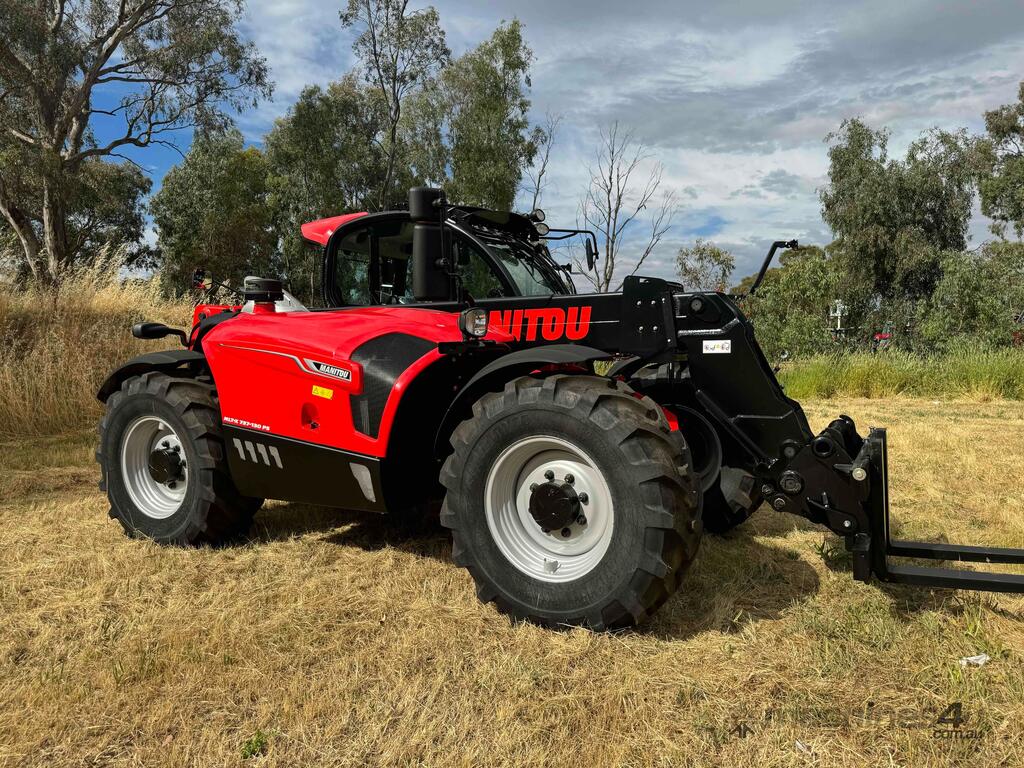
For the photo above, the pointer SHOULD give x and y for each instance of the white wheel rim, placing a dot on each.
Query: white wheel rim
(154, 499)
(549, 557)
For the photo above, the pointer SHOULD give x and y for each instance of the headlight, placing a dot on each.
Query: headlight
(542, 229)
(473, 322)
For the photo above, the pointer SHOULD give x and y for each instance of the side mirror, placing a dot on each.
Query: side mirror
(153, 331)
(591, 253)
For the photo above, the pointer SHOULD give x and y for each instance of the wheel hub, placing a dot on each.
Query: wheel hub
(165, 465)
(554, 505)
(549, 508)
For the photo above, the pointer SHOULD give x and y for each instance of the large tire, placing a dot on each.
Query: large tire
(730, 494)
(200, 504)
(722, 514)
(638, 472)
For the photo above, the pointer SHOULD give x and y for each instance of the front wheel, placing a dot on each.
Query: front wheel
(571, 502)
(163, 464)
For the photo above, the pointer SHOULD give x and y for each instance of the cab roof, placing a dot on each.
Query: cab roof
(320, 231)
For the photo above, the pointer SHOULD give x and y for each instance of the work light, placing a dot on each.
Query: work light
(473, 322)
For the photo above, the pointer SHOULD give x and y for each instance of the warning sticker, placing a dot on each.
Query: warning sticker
(323, 392)
(717, 346)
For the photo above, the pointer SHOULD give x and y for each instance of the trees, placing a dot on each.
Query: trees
(537, 173)
(790, 309)
(468, 128)
(893, 218)
(1001, 166)
(322, 160)
(614, 199)
(978, 298)
(166, 65)
(398, 52)
(705, 266)
(212, 212)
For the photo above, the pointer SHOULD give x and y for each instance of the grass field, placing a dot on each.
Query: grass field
(336, 639)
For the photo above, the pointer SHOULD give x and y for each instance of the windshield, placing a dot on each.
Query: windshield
(530, 266)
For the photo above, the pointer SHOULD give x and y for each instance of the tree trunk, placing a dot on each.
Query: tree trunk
(55, 241)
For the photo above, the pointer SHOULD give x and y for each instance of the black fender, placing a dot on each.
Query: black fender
(501, 370)
(168, 360)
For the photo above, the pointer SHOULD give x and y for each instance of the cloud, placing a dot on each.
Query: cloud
(734, 98)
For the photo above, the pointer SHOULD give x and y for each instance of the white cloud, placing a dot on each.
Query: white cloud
(735, 97)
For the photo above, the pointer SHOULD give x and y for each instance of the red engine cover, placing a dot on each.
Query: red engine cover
(292, 374)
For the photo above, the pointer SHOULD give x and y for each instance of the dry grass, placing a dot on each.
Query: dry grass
(335, 639)
(56, 348)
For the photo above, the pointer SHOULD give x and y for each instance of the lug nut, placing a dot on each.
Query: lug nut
(570, 479)
(582, 519)
(779, 503)
(533, 487)
(566, 533)
(766, 489)
(584, 498)
(548, 474)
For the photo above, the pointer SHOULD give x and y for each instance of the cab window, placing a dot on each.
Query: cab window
(478, 276)
(374, 265)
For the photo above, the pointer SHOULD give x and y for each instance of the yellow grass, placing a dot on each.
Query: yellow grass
(56, 348)
(336, 639)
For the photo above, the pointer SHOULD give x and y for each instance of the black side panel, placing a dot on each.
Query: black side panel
(154, 361)
(272, 467)
(383, 359)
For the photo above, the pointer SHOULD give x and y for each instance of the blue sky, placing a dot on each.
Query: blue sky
(733, 98)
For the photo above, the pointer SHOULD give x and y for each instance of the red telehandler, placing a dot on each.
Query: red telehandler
(580, 443)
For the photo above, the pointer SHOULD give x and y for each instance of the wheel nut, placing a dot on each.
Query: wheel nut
(582, 519)
(570, 479)
(549, 474)
(766, 489)
(566, 533)
(584, 498)
(779, 503)
(533, 487)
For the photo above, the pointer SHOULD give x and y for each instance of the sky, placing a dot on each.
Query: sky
(734, 99)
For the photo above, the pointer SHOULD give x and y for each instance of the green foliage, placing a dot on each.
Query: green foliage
(212, 212)
(893, 219)
(324, 157)
(705, 266)
(790, 309)
(481, 140)
(1001, 166)
(255, 745)
(963, 371)
(977, 300)
(398, 52)
(162, 65)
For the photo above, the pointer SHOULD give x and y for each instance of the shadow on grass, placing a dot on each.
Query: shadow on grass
(906, 599)
(737, 578)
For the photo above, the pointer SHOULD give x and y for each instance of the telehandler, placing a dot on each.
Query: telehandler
(579, 443)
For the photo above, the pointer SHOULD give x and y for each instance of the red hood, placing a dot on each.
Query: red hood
(320, 231)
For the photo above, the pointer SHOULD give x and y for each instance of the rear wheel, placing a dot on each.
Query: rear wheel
(571, 502)
(163, 463)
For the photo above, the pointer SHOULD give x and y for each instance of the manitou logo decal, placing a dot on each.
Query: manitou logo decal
(326, 369)
(551, 323)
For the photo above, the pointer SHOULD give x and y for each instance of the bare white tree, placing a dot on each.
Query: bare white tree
(617, 193)
(535, 174)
